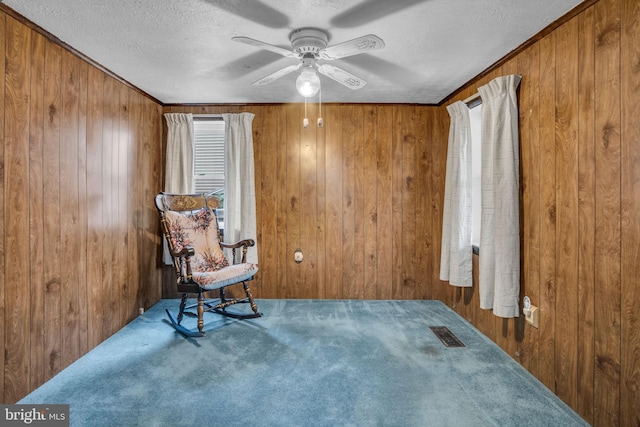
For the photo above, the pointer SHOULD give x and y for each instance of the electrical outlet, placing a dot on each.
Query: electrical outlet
(533, 317)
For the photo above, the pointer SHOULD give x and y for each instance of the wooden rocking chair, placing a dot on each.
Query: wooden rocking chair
(190, 227)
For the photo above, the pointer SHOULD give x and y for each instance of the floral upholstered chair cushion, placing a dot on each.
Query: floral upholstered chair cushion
(198, 230)
(210, 268)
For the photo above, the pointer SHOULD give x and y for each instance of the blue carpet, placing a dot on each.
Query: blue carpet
(305, 363)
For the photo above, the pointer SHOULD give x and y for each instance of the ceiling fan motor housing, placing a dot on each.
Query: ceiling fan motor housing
(308, 41)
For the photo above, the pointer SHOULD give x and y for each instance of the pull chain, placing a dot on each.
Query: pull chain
(305, 121)
(320, 121)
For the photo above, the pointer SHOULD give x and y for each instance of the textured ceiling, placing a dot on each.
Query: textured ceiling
(182, 52)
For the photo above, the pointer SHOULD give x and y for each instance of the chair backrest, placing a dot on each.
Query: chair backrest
(189, 222)
(185, 202)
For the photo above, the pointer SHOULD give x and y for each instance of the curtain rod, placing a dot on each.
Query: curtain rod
(207, 116)
(472, 98)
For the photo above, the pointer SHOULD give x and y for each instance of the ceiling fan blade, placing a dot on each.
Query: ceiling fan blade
(274, 76)
(341, 76)
(267, 46)
(352, 47)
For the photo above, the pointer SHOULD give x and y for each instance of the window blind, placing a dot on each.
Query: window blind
(208, 167)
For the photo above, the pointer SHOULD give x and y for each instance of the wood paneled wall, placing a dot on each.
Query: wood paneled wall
(81, 163)
(361, 196)
(580, 173)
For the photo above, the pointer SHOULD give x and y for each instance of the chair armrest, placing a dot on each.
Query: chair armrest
(244, 244)
(187, 251)
(182, 263)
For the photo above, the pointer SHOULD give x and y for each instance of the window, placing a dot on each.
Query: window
(476, 166)
(208, 168)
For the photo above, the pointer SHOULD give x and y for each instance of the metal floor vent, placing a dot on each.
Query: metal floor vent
(446, 336)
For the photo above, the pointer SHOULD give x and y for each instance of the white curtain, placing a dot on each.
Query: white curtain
(239, 186)
(180, 141)
(179, 167)
(499, 268)
(456, 252)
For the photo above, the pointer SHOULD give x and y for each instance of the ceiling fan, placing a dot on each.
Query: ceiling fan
(309, 45)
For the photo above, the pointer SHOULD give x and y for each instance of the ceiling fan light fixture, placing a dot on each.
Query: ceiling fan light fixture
(308, 82)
